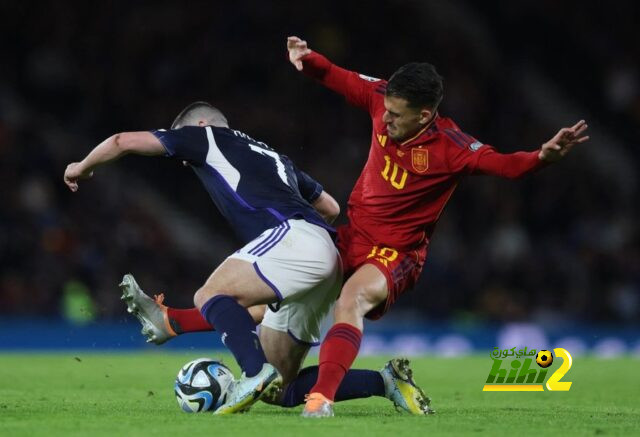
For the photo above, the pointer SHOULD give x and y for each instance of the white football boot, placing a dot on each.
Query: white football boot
(247, 391)
(151, 313)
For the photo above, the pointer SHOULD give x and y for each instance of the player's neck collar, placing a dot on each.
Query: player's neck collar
(421, 131)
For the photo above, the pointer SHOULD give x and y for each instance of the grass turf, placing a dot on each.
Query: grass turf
(109, 394)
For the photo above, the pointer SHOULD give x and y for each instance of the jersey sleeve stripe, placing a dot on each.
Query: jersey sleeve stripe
(381, 89)
(461, 136)
(459, 141)
(469, 139)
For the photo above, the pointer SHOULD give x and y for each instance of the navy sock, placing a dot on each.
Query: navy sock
(238, 332)
(356, 384)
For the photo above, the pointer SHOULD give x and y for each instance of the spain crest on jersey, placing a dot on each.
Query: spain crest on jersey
(420, 160)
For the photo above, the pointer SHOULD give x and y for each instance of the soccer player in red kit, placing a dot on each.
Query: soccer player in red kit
(416, 160)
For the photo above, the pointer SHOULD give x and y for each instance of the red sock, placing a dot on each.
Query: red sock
(339, 349)
(190, 320)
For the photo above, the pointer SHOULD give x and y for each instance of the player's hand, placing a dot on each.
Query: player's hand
(297, 50)
(563, 142)
(73, 174)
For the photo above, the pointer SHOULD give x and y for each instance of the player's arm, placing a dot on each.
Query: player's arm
(327, 207)
(357, 89)
(473, 157)
(314, 193)
(515, 165)
(507, 165)
(114, 147)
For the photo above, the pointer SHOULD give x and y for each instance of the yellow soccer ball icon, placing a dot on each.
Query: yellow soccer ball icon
(544, 358)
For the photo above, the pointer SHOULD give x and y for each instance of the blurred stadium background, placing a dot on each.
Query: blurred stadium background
(553, 259)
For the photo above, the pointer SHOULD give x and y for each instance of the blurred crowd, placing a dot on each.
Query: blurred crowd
(561, 245)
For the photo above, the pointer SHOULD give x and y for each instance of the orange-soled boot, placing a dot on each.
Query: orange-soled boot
(317, 405)
(151, 313)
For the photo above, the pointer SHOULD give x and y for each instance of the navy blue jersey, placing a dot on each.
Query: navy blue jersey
(253, 186)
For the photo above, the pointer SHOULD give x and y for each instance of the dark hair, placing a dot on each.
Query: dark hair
(196, 111)
(418, 83)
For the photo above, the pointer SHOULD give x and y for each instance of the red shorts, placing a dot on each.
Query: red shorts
(402, 269)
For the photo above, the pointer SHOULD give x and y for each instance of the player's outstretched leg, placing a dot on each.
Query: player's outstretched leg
(402, 390)
(161, 323)
(151, 313)
(394, 382)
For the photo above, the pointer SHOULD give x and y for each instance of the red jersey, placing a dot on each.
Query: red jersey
(404, 187)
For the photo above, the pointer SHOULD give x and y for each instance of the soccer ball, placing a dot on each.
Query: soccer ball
(202, 385)
(544, 358)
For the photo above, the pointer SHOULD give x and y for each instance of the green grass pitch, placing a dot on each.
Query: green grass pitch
(119, 394)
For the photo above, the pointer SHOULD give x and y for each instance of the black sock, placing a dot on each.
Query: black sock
(238, 331)
(356, 384)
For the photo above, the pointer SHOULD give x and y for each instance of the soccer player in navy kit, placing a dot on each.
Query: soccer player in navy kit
(289, 261)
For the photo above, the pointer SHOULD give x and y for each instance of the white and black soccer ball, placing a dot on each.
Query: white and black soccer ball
(202, 385)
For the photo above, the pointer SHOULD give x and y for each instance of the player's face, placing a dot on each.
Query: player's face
(403, 121)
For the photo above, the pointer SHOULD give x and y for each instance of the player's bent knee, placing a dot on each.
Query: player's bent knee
(346, 305)
(357, 301)
(204, 294)
(257, 312)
